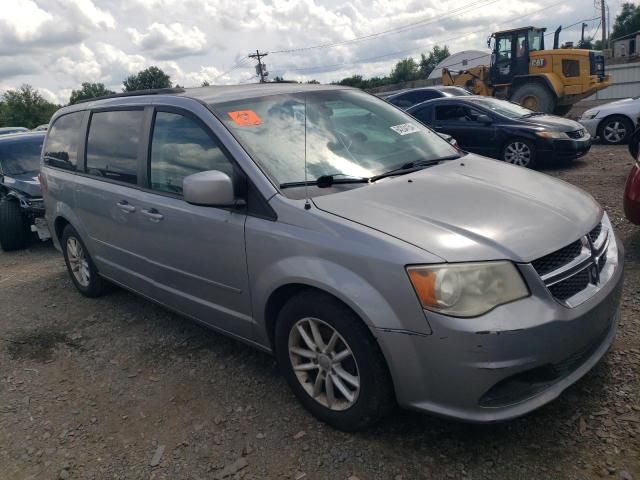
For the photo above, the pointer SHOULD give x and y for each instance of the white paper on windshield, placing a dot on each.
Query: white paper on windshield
(405, 128)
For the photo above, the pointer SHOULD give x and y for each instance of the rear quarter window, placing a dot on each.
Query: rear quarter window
(112, 145)
(61, 149)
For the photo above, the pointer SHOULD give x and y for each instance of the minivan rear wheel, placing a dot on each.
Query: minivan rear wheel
(332, 362)
(14, 228)
(82, 270)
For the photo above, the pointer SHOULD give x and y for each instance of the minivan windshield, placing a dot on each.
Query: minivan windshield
(21, 156)
(504, 108)
(342, 133)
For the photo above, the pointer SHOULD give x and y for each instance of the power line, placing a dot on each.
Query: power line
(411, 50)
(470, 6)
(239, 64)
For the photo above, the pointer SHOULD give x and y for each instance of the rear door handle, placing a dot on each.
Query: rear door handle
(126, 207)
(153, 214)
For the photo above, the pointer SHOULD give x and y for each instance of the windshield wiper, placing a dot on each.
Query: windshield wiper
(413, 167)
(532, 114)
(326, 181)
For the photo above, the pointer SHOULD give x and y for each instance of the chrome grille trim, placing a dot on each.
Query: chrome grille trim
(591, 260)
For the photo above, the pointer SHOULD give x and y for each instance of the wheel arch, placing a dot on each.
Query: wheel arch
(601, 122)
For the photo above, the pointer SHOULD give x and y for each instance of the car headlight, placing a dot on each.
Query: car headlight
(588, 115)
(467, 289)
(546, 134)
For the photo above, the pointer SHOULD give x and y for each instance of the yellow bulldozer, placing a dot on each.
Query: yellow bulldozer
(522, 71)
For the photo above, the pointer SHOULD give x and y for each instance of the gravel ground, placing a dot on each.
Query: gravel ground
(120, 388)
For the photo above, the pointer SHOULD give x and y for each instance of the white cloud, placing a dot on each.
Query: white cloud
(95, 16)
(170, 41)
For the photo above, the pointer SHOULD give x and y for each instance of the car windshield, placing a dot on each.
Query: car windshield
(345, 133)
(21, 156)
(504, 108)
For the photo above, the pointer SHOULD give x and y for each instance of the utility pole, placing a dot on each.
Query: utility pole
(584, 25)
(261, 69)
(603, 9)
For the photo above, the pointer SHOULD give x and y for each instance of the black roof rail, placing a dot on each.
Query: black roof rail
(137, 93)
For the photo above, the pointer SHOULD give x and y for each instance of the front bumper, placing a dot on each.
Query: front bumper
(564, 149)
(508, 362)
(591, 125)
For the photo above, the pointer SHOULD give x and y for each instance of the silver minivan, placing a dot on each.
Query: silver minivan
(378, 263)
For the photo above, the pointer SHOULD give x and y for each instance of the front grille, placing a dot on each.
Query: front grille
(571, 286)
(570, 270)
(557, 259)
(595, 233)
(576, 133)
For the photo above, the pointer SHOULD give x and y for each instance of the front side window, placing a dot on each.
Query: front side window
(112, 145)
(340, 132)
(181, 147)
(457, 113)
(22, 156)
(61, 150)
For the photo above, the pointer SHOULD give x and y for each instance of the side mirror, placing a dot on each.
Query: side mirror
(486, 119)
(634, 144)
(211, 188)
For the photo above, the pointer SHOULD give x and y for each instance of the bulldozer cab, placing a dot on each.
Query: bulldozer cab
(510, 52)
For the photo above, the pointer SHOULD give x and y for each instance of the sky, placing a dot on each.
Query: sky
(55, 45)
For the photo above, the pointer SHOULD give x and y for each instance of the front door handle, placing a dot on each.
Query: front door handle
(126, 207)
(153, 214)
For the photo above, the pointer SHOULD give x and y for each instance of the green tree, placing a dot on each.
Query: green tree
(89, 90)
(628, 21)
(405, 70)
(147, 79)
(429, 62)
(205, 84)
(25, 107)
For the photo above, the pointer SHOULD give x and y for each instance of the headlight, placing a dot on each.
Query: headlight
(546, 134)
(588, 115)
(467, 289)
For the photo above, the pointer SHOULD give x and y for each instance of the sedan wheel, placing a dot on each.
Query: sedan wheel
(324, 364)
(519, 153)
(615, 130)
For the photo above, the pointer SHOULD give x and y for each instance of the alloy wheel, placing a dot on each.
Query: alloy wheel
(614, 131)
(324, 364)
(518, 153)
(78, 262)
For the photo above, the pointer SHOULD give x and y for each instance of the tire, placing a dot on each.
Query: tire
(80, 266)
(562, 110)
(518, 151)
(14, 228)
(615, 130)
(363, 372)
(535, 97)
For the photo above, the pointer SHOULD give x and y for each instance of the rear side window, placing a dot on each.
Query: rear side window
(112, 145)
(424, 115)
(61, 150)
(181, 147)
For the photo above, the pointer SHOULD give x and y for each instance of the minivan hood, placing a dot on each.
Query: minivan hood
(554, 122)
(472, 209)
(26, 183)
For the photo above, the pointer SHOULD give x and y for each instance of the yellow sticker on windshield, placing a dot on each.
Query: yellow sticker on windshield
(245, 118)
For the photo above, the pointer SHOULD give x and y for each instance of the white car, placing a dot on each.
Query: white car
(612, 122)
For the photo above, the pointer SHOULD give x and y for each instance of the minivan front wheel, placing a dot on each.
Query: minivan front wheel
(331, 362)
(82, 270)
